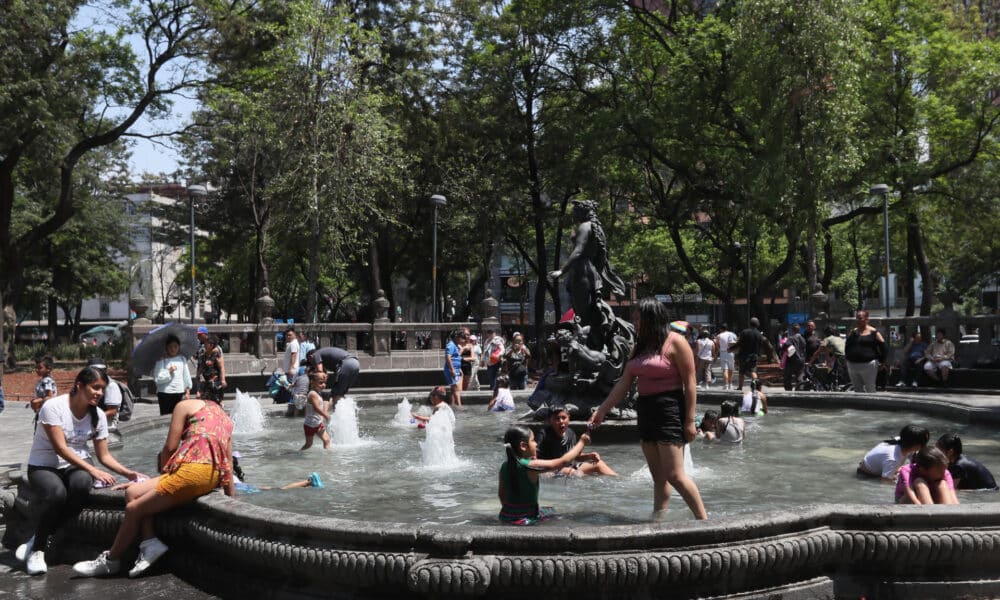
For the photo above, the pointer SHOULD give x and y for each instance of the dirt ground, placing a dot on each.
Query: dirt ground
(19, 386)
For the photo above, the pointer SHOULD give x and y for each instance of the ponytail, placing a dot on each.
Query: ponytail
(515, 435)
(94, 420)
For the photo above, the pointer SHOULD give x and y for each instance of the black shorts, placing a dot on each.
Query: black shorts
(748, 363)
(659, 417)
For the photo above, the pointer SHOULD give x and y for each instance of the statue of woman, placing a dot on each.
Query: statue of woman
(589, 277)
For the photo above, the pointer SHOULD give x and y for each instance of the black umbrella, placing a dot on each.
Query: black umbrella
(153, 346)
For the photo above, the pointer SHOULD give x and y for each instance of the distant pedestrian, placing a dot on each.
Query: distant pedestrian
(724, 341)
(453, 366)
(865, 351)
(172, 377)
(45, 388)
(492, 358)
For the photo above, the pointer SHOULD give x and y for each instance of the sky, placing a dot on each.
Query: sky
(147, 156)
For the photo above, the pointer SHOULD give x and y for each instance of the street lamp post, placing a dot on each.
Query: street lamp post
(883, 190)
(194, 191)
(738, 247)
(436, 200)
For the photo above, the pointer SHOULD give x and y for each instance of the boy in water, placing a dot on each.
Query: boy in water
(557, 439)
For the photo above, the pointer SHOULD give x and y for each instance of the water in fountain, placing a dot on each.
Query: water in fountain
(439, 448)
(383, 479)
(402, 418)
(247, 415)
(344, 423)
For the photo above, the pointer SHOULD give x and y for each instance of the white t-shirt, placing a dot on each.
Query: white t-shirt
(885, 459)
(112, 395)
(725, 339)
(291, 348)
(56, 412)
(504, 401)
(705, 348)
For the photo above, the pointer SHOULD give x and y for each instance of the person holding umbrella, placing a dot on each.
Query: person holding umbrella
(172, 377)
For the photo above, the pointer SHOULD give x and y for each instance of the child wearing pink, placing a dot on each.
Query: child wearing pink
(926, 480)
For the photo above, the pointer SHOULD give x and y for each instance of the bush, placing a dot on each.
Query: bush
(113, 354)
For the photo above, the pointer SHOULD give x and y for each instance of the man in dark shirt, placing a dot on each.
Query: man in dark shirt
(341, 368)
(812, 340)
(967, 473)
(751, 344)
(557, 439)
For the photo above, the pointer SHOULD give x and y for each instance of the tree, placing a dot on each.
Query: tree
(70, 92)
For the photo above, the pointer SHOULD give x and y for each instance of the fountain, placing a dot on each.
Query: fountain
(247, 414)
(765, 537)
(344, 423)
(403, 417)
(438, 450)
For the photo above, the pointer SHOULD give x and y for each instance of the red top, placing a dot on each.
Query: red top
(205, 441)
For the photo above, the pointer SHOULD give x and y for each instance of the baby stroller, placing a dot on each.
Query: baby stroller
(826, 378)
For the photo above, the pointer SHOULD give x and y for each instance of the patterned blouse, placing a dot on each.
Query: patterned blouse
(205, 441)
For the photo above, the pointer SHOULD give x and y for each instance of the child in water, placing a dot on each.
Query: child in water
(706, 428)
(518, 480)
(926, 480)
(245, 488)
(730, 427)
(313, 424)
(502, 398)
(438, 399)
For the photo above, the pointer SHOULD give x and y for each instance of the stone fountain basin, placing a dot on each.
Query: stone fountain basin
(817, 550)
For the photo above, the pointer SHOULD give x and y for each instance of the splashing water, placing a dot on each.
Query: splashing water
(247, 415)
(402, 417)
(344, 423)
(439, 448)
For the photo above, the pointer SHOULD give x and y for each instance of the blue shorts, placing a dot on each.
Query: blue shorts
(449, 380)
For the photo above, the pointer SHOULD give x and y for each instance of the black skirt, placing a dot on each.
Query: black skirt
(659, 417)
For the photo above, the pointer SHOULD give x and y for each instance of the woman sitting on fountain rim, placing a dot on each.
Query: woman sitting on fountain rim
(196, 458)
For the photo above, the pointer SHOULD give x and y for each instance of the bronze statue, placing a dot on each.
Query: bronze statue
(595, 344)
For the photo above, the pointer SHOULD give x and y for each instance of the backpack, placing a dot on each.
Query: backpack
(128, 400)
(496, 352)
(277, 387)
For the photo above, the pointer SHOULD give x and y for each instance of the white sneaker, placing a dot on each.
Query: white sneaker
(102, 565)
(24, 550)
(900, 384)
(914, 384)
(149, 552)
(36, 563)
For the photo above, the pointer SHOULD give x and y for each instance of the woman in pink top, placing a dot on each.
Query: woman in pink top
(663, 364)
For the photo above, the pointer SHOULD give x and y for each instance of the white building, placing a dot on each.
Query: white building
(154, 267)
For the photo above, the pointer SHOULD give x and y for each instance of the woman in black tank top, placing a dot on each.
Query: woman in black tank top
(865, 352)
